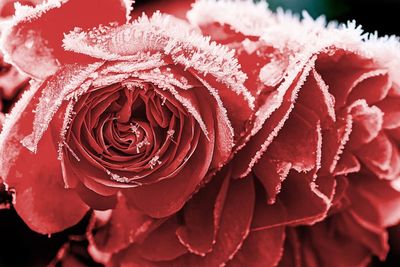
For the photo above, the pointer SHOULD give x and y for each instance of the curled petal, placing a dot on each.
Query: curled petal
(381, 156)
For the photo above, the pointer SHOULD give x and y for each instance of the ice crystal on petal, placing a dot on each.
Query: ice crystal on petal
(270, 106)
(154, 161)
(129, 4)
(386, 52)
(8, 150)
(69, 80)
(223, 113)
(172, 37)
(69, 113)
(343, 141)
(246, 16)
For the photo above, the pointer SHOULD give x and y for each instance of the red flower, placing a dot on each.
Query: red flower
(151, 125)
(147, 111)
(315, 184)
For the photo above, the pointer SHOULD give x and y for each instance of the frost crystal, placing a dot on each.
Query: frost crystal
(154, 161)
(172, 37)
(245, 16)
(69, 79)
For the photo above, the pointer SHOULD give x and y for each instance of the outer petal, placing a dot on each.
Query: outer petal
(37, 32)
(120, 232)
(162, 244)
(300, 202)
(234, 226)
(347, 251)
(261, 248)
(202, 216)
(41, 199)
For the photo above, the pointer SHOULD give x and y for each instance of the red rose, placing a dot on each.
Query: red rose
(145, 112)
(315, 184)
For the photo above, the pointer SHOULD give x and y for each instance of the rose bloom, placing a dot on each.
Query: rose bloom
(152, 126)
(316, 183)
(142, 114)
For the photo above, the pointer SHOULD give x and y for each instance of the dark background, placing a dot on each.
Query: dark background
(21, 247)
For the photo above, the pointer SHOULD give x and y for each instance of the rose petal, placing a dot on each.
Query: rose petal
(299, 202)
(119, 232)
(343, 71)
(381, 196)
(234, 226)
(178, 8)
(162, 244)
(347, 164)
(172, 193)
(254, 17)
(391, 110)
(292, 250)
(298, 141)
(37, 33)
(37, 178)
(271, 173)
(372, 89)
(381, 156)
(367, 123)
(261, 248)
(268, 124)
(177, 42)
(357, 229)
(347, 251)
(334, 140)
(315, 95)
(202, 216)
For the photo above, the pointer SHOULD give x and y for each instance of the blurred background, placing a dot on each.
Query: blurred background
(373, 15)
(39, 250)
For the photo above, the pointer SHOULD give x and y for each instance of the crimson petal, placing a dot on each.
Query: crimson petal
(202, 216)
(41, 195)
(37, 33)
(261, 248)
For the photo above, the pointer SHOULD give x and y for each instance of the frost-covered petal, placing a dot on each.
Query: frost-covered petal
(271, 173)
(381, 156)
(36, 33)
(246, 17)
(367, 123)
(36, 175)
(292, 207)
(390, 107)
(270, 119)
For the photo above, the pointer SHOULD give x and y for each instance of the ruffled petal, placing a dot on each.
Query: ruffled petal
(381, 156)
